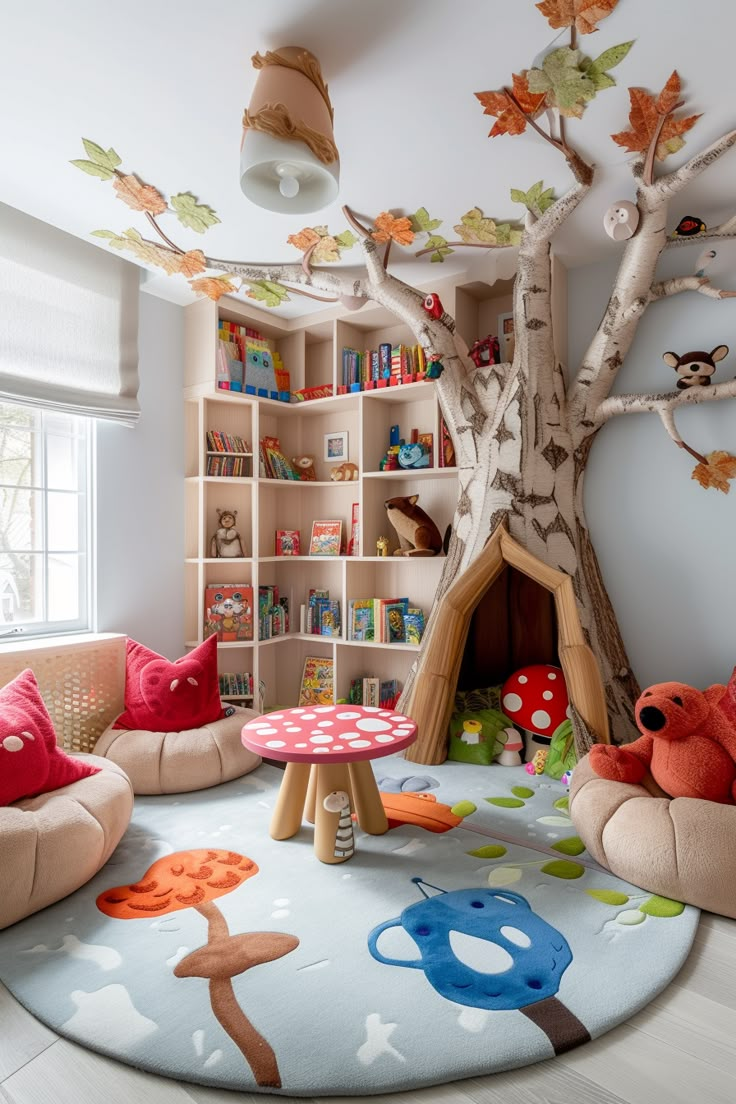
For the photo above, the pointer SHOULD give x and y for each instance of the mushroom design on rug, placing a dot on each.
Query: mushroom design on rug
(192, 879)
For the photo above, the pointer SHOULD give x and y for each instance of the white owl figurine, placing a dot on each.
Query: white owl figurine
(621, 220)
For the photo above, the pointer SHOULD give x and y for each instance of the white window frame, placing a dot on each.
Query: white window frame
(84, 493)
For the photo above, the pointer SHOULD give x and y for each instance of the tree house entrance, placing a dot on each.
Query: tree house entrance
(506, 610)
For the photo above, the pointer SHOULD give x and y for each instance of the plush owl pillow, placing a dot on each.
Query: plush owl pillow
(161, 696)
(31, 762)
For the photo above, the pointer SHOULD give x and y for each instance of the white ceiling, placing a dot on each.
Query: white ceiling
(165, 82)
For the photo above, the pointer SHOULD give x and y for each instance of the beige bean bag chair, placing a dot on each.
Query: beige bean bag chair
(683, 848)
(52, 844)
(176, 762)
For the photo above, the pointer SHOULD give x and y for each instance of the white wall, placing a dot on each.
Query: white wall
(665, 545)
(140, 495)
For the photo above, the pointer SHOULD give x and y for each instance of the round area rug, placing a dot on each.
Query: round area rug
(474, 936)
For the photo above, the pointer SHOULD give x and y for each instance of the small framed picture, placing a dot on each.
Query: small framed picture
(336, 447)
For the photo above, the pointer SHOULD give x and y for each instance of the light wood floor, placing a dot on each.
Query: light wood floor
(680, 1050)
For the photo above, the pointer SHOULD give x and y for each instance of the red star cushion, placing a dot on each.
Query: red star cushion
(31, 762)
(161, 696)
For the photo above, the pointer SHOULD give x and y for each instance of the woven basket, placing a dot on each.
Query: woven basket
(82, 682)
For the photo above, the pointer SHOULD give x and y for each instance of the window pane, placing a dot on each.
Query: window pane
(16, 455)
(21, 520)
(64, 588)
(62, 459)
(21, 588)
(63, 522)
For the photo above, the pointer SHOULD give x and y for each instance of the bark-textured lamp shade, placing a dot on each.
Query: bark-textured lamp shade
(289, 161)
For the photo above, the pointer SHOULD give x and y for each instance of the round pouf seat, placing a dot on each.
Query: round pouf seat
(682, 847)
(177, 762)
(52, 844)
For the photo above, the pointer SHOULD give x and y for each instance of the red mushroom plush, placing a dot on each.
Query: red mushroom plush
(535, 698)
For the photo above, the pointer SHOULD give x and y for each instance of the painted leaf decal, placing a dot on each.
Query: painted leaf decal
(93, 169)
(573, 845)
(510, 118)
(597, 70)
(662, 906)
(148, 252)
(522, 791)
(555, 821)
(563, 868)
(504, 876)
(490, 851)
(440, 246)
(389, 228)
(562, 803)
(583, 13)
(196, 216)
(506, 802)
(608, 896)
(326, 251)
(302, 241)
(267, 292)
(630, 917)
(530, 102)
(567, 87)
(670, 94)
(506, 234)
(421, 223)
(193, 262)
(536, 200)
(108, 159)
(346, 240)
(463, 808)
(720, 469)
(474, 229)
(214, 286)
(644, 118)
(138, 196)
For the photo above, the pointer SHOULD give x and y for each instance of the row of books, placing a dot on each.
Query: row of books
(374, 691)
(385, 621)
(273, 613)
(397, 362)
(320, 615)
(246, 363)
(238, 684)
(273, 463)
(219, 441)
(225, 464)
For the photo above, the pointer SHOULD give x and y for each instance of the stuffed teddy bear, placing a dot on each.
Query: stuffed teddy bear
(304, 467)
(348, 471)
(687, 743)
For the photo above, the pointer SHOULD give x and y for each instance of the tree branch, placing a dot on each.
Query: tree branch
(723, 232)
(665, 401)
(554, 216)
(674, 182)
(668, 421)
(701, 284)
(581, 170)
(648, 173)
(467, 245)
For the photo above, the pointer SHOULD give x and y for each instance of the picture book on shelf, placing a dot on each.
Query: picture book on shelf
(318, 681)
(414, 626)
(393, 623)
(361, 622)
(228, 611)
(288, 542)
(326, 538)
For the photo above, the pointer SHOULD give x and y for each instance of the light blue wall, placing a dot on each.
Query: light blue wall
(666, 546)
(140, 495)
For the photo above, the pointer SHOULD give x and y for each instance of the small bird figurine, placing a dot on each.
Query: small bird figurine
(433, 305)
(688, 227)
(704, 260)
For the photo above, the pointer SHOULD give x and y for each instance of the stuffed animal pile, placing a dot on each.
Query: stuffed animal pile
(688, 742)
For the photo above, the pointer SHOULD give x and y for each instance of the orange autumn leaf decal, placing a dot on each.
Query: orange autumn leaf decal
(389, 228)
(138, 196)
(193, 262)
(583, 13)
(646, 115)
(303, 239)
(509, 119)
(213, 286)
(719, 470)
(178, 881)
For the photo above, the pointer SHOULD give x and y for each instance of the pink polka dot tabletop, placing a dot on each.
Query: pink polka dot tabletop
(344, 733)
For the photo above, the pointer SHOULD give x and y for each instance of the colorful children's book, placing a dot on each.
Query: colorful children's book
(393, 623)
(228, 611)
(318, 681)
(354, 543)
(414, 626)
(362, 625)
(288, 542)
(371, 691)
(326, 538)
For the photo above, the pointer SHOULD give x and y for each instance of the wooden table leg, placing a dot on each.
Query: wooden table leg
(368, 807)
(329, 847)
(287, 814)
(311, 796)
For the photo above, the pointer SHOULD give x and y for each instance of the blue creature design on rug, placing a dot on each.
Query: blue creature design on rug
(525, 957)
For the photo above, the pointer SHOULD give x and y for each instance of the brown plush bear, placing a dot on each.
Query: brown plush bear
(304, 467)
(687, 743)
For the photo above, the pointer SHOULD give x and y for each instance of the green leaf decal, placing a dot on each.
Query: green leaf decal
(563, 868)
(630, 917)
(267, 292)
(107, 159)
(346, 240)
(608, 896)
(522, 791)
(556, 821)
(490, 851)
(573, 845)
(504, 876)
(562, 803)
(536, 200)
(196, 216)
(93, 169)
(104, 234)
(563, 78)
(597, 70)
(421, 223)
(439, 244)
(463, 808)
(506, 802)
(662, 906)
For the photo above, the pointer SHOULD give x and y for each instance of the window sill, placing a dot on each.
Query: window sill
(23, 643)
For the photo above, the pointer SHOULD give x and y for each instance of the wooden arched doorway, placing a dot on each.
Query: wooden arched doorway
(433, 692)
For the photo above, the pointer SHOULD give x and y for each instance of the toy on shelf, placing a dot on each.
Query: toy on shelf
(688, 743)
(382, 546)
(535, 697)
(414, 455)
(484, 351)
(418, 535)
(226, 542)
(344, 472)
(695, 369)
(538, 763)
(304, 467)
(621, 220)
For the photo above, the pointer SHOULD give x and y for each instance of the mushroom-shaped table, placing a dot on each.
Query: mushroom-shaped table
(535, 698)
(327, 750)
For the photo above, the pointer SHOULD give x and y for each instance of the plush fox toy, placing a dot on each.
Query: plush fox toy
(418, 535)
(688, 743)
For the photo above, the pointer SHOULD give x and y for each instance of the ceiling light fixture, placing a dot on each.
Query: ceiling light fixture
(288, 158)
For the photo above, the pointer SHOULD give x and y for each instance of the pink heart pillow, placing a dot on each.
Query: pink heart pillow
(161, 696)
(31, 762)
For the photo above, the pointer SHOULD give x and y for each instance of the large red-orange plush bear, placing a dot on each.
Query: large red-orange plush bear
(688, 743)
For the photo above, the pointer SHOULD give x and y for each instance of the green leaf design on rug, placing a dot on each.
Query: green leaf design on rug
(504, 876)
(662, 906)
(555, 821)
(506, 802)
(631, 917)
(562, 803)
(563, 868)
(573, 845)
(491, 851)
(522, 791)
(608, 896)
(463, 808)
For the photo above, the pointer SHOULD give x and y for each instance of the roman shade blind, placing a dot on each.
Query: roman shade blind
(68, 322)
